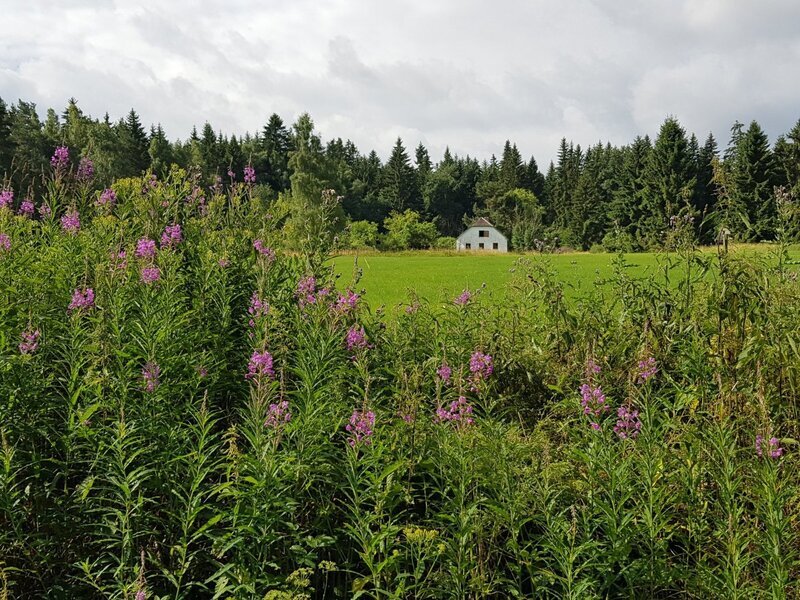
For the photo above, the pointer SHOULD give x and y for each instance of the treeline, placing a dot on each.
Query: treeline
(617, 197)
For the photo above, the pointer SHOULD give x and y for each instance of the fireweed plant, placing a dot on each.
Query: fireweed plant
(187, 410)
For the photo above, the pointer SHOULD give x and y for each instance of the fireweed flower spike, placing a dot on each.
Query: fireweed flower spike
(7, 199)
(459, 411)
(306, 289)
(150, 275)
(107, 198)
(773, 448)
(360, 428)
(5, 243)
(249, 174)
(346, 303)
(356, 338)
(150, 374)
(258, 308)
(628, 424)
(71, 222)
(646, 369)
(594, 404)
(279, 414)
(481, 366)
(172, 236)
(26, 209)
(60, 158)
(145, 248)
(81, 299)
(260, 365)
(263, 250)
(85, 172)
(30, 341)
(444, 372)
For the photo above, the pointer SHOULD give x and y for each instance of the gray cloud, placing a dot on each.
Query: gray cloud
(464, 74)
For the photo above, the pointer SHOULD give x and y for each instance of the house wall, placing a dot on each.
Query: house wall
(471, 237)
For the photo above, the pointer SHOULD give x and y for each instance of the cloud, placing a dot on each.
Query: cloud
(464, 74)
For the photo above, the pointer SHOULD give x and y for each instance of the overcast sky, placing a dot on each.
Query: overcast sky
(466, 73)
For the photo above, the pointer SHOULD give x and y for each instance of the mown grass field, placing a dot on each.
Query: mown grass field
(438, 277)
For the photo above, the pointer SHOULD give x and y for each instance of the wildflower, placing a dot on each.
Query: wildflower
(202, 372)
(44, 210)
(628, 423)
(260, 364)
(412, 308)
(172, 236)
(258, 308)
(5, 242)
(360, 427)
(593, 401)
(444, 372)
(263, 250)
(145, 248)
(481, 366)
(356, 338)
(120, 259)
(7, 198)
(223, 262)
(463, 299)
(26, 209)
(30, 341)
(278, 415)
(774, 450)
(60, 158)
(150, 374)
(306, 289)
(85, 172)
(459, 411)
(249, 174)
(81, 299)
(150, 275)
(592, 368)
(646, 369)
(108, 197)
(231, 174)
(140, 595)
(71, 221)
(346, 302)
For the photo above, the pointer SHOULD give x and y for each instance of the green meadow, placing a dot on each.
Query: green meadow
(391, 279)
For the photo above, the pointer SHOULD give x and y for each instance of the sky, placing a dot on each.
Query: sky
(466, 74)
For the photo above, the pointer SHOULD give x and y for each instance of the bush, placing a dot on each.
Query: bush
(361, 234)
(406, 231)
(445, 242)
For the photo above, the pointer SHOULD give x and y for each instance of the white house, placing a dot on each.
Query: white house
(482, 235)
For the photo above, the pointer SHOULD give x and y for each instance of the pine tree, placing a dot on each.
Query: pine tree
(133, 146)
(668, 181)
(753, 181)
(705, 197)
(398, 182)
(6, 147)
(160, 151)
(275, 147)
(512, 170)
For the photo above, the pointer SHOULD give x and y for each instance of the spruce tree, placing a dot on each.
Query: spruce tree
(399, 190)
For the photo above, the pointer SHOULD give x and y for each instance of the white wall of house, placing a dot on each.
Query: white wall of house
(482, 238)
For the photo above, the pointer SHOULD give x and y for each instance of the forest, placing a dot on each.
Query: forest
(616, 198)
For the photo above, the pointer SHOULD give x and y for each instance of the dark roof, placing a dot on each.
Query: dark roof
(481, 222)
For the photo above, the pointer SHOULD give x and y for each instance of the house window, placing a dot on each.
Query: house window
(483, 233)
(494, 246)
(468, 246)
(480, 245)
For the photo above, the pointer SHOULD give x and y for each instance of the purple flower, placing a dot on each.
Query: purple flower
(360, 428)
(223, 262)
(249, 174)
(459, 411)
(356, 338)
(306, 290)
(108, 197)
(150, 375)
(646, 369)
(278, 415)
(231, 174)
(774, 450)
(30, 341)
(258, 308)
(412, 308)
(26, 209)
(260, 364)
(444, 372)
(60, 158)
(346, 302)
(81, 298)
(7, 198)
(202, 372)
(172, 236)
(150, 275)
(592, 368)
(85, 172)
(481, 366)
(71, 221)
(120, 259)
(463, 299)
(44, 210)
(145, 248)
(265, 251)
(628, 423)
(5, 242)
(594, 404)
(140, 595)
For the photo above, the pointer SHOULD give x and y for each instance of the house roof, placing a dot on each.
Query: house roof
(481, 222)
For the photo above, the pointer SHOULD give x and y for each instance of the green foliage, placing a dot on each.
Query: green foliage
(405, 231)
(361, 234)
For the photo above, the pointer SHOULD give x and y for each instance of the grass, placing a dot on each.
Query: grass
(438, 277)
